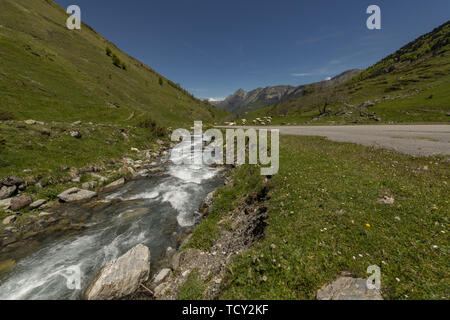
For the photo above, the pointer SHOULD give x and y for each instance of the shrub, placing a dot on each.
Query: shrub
(108, 52)
(310, 89)
(153, 126)
(6, 115)
(116, 61)
(160, 81)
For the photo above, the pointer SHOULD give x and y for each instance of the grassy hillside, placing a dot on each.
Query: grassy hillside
(90, 103)
(50, 73)
(411, 85)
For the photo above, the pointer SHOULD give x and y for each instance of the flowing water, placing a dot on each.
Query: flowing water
(154, 211)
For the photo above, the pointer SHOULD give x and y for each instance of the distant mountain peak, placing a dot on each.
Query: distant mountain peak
(242, 101)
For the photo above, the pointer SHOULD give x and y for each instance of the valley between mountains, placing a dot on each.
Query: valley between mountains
(87, 180)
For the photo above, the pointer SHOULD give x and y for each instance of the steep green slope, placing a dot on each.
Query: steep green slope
(48, 72)
(89, 105)
(411, 85)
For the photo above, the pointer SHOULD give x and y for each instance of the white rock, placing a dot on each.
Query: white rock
(6, 203)
(9, 220)
(121, 277)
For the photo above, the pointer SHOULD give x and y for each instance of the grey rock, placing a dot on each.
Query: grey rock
(7, 192)
(45, 214)
(89, 185)
(348, 288)
(156, 170)
(11, 181)
(21, 202)
(161, 276)
(121, 277)
(161, 289)
(75, 194)
(175, 263)
(207, 203)
(38, 203)
(9, 220)
(98, 177)
(114, 185)
(11, 229)
(386, 200)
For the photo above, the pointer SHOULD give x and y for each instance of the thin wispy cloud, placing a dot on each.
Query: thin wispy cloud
(319, 38)
(302, 74)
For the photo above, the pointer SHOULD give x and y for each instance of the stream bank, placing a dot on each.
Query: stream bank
(158, 212)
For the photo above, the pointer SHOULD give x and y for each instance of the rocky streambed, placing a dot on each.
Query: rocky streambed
(157, 212)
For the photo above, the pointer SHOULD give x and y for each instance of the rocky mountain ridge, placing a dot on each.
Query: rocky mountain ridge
(242, 101)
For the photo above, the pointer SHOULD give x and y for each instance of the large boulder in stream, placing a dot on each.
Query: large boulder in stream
(121, 277)
(75, 194)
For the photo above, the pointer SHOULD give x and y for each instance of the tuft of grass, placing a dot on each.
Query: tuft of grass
(193, 287)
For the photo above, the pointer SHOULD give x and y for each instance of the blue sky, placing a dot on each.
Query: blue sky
(212, 48)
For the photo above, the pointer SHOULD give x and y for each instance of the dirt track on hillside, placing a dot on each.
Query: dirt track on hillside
(416, 140)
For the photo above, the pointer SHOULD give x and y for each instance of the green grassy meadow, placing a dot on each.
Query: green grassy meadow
(324, 219)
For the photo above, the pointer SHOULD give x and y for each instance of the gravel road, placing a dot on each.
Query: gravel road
(416, 140)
